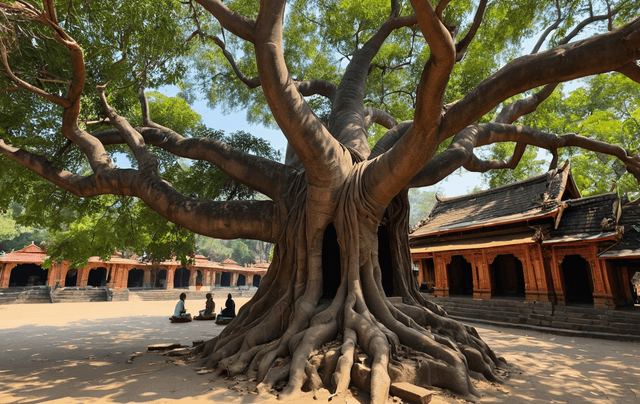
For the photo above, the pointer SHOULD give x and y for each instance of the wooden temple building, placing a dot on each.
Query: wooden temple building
(23, 268)
(535, 240)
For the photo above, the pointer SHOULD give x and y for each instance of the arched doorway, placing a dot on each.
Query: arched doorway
(256, 280)
(577, 282)
(97, 277)
(71, 279)
(181, 278)
(242, 280)
(225, 279)
(460, 276)
(28, 275)
(135, 278)
(507, 276)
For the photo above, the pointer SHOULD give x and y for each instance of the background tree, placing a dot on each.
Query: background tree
(338, 208)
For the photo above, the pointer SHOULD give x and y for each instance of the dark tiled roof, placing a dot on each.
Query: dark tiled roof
(629, 245)
(534, 197)
(585, 218)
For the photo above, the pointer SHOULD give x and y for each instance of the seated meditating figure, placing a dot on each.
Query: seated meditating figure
(229, 308)
(181, 311)
(209, 307)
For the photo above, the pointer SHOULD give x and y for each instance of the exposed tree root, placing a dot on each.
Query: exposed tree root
(285, 332)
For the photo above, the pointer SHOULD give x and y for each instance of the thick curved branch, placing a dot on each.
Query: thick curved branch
(62, 101)
(631, 70)
(420, 142)
(347, 121)
(307, 88)
(524, 106)
(312, 143)
(460, 152)
(389, 139)
(146, 160)
(383, 118)
(598, 54)
(233, 219)
(265, 176)
(461, 47)
(233, 22)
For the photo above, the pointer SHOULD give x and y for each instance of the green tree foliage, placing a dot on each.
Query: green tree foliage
(421, 201)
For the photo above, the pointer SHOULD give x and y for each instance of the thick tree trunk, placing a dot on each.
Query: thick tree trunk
(322, 317)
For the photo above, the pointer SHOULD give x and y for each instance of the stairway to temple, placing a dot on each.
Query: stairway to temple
(585, 321)
(79, 294)
(25, 294)
(163, 294)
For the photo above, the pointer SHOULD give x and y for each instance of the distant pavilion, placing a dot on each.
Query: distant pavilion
(24, 268)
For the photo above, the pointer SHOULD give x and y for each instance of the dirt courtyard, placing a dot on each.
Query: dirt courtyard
(85, 353)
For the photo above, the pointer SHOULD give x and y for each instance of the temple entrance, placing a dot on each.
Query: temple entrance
(199, 278)
(159, 278)
(28, 275)
(576, 280)
(242, 280)
(181, 278)
(460, 276)
(225, 279)
(135, 278)
(507, 276)
(71, 279)
(256, 280)
(98, 277)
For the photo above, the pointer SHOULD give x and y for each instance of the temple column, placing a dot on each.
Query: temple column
(146, 282)
(440, 261)
(5, 276)
(482, 278)
(170, 275)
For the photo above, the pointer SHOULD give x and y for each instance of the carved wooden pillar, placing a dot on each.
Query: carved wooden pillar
(556, 274)
(540, 260)
(440, 262)
(481, 281)
(602, 290)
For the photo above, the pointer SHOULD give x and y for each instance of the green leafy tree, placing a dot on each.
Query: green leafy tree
(429, 83)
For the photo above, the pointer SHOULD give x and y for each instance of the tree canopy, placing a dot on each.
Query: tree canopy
(374, 98)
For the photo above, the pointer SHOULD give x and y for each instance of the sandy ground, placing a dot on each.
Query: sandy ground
(86, 353)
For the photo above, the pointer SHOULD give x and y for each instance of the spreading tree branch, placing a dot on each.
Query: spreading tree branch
(460, 152)
(598, 54)
(312, 143)
(232, 219)
(461, 47)
(420, 142)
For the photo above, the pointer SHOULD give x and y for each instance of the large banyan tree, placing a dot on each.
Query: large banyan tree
(337, 210)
